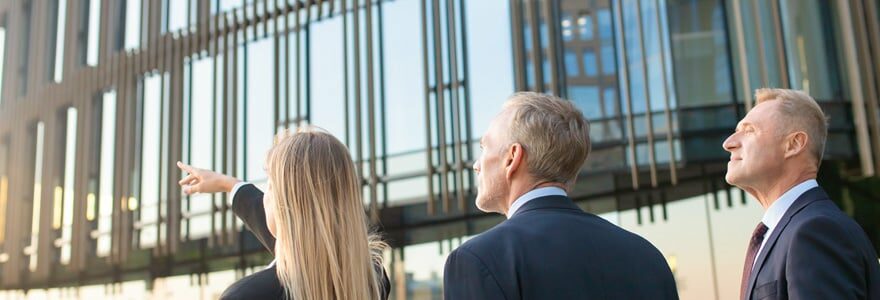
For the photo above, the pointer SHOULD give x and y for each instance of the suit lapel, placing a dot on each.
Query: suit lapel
(810, 196)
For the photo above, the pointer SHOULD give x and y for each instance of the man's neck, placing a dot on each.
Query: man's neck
(515, 193)
(767, 196)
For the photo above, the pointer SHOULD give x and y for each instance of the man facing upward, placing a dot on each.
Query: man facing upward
(804, 247)
(548, 248)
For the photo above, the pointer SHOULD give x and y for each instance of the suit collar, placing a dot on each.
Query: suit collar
(532, 195)
(547, 202)
(808, 197)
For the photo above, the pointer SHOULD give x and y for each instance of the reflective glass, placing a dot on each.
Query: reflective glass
(2, 60)
(490, 56)
(39, 141)
(201, 143)
(590, 63)
(813, 64)
(259, 130)
(176, 14)
(70, 166)
(148, 208)
(326, 78)
(107, 163)
(94, 30)
(132, 24)
(701, 52)
(585, 27)
(572, 68)
(4, 186)
(60, 20)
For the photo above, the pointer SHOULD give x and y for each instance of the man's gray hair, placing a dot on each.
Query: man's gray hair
(554, 133)
(799, 112)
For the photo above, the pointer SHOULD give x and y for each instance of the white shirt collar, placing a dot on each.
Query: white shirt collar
(533, 194)
(776, 210)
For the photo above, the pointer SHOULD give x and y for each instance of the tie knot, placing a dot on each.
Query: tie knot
(759, 232)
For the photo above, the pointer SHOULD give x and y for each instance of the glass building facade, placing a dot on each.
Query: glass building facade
(99, 99)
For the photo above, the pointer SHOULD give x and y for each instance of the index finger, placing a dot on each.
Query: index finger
(186, 168)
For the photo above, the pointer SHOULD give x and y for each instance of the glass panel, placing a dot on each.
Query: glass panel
(589, 63)
(490, 54)
(61, 21)
(568, 27)
(24, 45)
(405, 100)
(810, 48)
(132, 24)
(700, 42)
(2, 60)
(177, 13)
(572, 68)
(107, 162)
(38, 180)
(69, 192)
(228, 5)
(259, 130)
(153, 103)
(585, 27)
(759, 35)
(4, 186)
(200, 130)
(326, 80)
(710, 259)
(94, 30)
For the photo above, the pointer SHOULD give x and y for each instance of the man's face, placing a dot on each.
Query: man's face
(492, 185)
(757, 147)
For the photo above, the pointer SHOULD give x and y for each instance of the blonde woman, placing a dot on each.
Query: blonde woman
(311, 218)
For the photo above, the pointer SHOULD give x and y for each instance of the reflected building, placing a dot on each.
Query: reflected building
(99, 98)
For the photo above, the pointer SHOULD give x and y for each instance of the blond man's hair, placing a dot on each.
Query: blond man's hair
(553, 132)
(799, 112)
(324, 247)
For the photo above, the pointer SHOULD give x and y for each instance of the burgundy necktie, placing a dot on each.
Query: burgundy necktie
(754, 245)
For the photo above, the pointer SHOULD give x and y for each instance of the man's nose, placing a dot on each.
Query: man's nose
(730, 143)
(476, 166)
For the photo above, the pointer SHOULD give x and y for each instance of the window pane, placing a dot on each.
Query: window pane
(61, 20)
(150, 159)
(585, 27)
(37, 199)
(259, 129)
(69, 176)
(810, 48)
(587, 99)
(94, 31)
(177, 14)
(132, 24)
(700, 42)
(2, 60)
(4, 186)
(201, 143)
(326, 78)
(24, 43)
(572, 68)
(590, 63)
(105, 185)
(490, 56)
(405, 102)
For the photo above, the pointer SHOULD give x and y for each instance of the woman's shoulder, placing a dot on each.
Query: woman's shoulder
(263, 284)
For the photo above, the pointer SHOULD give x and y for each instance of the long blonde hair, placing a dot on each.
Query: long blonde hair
(324, 247)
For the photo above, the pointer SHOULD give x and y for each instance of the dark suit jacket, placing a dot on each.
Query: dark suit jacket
(248, 206)
(816, 252)
(551, 249)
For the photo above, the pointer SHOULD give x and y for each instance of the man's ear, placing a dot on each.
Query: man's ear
(513, 159)
(796, 143)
